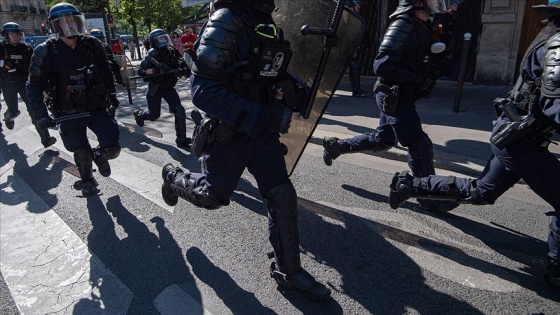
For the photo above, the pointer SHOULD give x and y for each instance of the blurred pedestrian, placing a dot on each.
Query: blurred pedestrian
(188, 39)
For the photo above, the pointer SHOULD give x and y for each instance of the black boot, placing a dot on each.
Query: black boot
(552, 274)
(169, 173)
(88, 188)
(401, 189)
(87, 184)
(183, 143)
(9, 119)
(302, 281)
(46, 139)
(331, 150)
(100, 159)
(138, 118)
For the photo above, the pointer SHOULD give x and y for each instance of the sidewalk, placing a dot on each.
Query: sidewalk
(461, 140)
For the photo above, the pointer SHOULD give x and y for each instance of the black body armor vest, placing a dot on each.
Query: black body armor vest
(267, 64)
(78, 84)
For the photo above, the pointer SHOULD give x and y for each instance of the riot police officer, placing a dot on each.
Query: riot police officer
(530, 114)
(404, 76)
(76, 74)
(115, 67)
(236, 82)
(161, 67)
(15, 56)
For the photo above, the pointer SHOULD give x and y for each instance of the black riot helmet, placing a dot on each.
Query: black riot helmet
(159, 38)
(11, 27)
(430, 6)
(550, 10)
(98, 33)
(66, 21)
(264, 6)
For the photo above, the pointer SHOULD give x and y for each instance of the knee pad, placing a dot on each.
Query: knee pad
(83, 154)
(421, 153)
(282, 199)
(376, 143)
(113, 152)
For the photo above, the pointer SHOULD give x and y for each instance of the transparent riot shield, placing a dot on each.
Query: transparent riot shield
(323, 35)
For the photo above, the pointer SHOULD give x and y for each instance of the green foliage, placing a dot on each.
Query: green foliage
(145, 15)
(93, 6)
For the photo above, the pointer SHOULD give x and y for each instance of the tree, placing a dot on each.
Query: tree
(93, 6)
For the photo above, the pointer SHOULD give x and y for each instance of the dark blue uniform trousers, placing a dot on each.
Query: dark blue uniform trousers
(171, 96)
(528, 159)
(74, 132)
(405, 127)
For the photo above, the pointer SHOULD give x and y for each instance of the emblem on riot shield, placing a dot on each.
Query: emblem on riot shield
(323, 36)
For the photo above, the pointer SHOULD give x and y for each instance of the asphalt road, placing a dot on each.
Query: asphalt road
(126, 252)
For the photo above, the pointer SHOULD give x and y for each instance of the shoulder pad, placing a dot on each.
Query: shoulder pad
(38, 58)
(550, 79)
(215, 50)
(42, 49)
(396, 34)
(91, 42)
(226, 19)
(27, 45)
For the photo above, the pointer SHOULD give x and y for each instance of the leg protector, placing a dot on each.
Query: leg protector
(88, 184)
(421, 157)
(331, 150)
(46, 138)
(552, 274)
(177, 183)
(283, 226)
(404, 186)
(101, 157)
(284, 237)
(182, 140)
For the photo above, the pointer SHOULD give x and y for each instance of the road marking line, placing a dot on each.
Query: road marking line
(45, 264)
(137, 174)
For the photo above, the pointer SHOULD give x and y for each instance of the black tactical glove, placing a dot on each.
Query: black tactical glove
(278, 118)
(114, 104)
(45, 122)
(184, 72)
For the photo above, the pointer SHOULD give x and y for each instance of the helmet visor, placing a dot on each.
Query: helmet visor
(68, 24)
(163, 40)
(15, 37)
(436, 6)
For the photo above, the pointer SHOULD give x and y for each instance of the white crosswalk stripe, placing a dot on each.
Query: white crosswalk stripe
(47, 267)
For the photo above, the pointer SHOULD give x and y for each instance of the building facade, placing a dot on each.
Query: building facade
(501, 29)
(29, 14)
